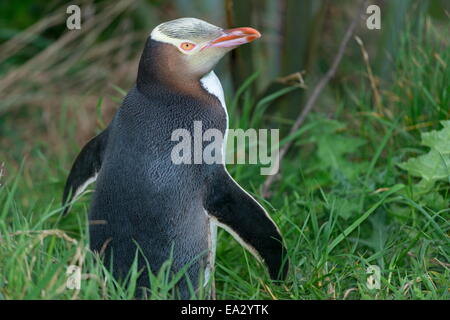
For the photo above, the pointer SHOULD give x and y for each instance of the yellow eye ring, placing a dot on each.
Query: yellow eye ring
(187, 46)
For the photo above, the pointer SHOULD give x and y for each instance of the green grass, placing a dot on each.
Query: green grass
(342, 202)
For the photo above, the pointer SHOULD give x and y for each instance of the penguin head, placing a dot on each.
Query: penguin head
(193, 47)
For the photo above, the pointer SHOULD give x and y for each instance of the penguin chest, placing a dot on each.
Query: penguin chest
(212, 85)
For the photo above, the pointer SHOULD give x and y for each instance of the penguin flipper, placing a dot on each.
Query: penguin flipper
(245, 219)
(85, 168)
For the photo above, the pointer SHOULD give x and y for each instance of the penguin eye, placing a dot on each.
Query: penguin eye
(187, 46)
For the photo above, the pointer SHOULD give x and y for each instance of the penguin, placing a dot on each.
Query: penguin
(146, 206)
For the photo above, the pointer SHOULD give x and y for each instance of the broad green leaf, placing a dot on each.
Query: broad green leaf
(435, 165)
(438, 140)
(334, 148)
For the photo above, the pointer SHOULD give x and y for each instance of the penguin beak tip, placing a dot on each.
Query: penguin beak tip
(235, 37)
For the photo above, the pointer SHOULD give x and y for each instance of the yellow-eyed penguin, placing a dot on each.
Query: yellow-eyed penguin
(143, 201)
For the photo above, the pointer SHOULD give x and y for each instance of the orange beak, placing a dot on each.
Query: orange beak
(234, 38)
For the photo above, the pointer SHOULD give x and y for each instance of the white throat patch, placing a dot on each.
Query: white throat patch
(212, 84)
